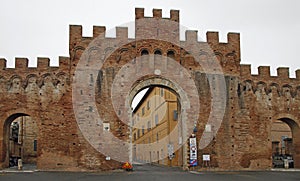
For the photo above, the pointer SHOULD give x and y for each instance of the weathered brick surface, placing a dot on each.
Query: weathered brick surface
(251, 102)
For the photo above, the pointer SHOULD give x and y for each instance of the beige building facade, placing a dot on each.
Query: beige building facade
(23, 141)
(281, 137)
(153, 119)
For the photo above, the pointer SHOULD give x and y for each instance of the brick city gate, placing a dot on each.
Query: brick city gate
(238, 106)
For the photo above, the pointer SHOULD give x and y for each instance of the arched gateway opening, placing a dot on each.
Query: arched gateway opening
(155, 114)
(174, 109)
(20, 137)
(285, 137)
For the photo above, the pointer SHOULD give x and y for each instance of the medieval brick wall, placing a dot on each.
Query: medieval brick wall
(244, 104)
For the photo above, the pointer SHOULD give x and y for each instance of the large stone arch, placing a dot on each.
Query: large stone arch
(157, 75)
(157, 71)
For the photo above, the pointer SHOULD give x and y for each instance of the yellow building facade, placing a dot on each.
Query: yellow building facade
(23, 141)
(280, 131)
(153, 121)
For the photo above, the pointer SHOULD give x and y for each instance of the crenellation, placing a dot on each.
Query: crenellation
(139, 13)
(21, 63)
(64, 62)
(283, 72)
(75, 35)
(212, 37)
(174, 15)
(233, 38)
(151, 28)
(99, 30)
(2, 63)
(245, 70)
(157, 13)
(121, 32)
(191, 35)
(43, 63)
(298, 74)
(264, 71)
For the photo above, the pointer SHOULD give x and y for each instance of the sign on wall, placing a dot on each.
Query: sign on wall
(193, 152)
(206, 157)
(170, 151)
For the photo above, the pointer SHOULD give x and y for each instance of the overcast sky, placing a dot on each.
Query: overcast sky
(269, 28)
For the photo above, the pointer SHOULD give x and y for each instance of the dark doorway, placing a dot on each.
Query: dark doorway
(21, 140)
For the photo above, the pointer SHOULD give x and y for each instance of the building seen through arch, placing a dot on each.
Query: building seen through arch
(282, 144)
(153, 119)
(22, 145)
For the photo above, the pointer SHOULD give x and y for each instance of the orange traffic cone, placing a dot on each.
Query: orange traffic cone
(127, 166)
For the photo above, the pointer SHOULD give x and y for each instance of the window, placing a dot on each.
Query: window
(144, 52)
(138, 133)
(156, 120)
(149, 125)
(148, 105)
(35, 145)
(161, 92)
(175, 115)
(171, 54)
(157, 138)
(143, 130)
(282, 141)
(157, 52)
(157, 55)
(134, 136)
(138, 117)
(143, 111)
(15, 131)
(144, 55)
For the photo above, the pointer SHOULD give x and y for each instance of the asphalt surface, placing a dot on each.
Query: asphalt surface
(151, 173)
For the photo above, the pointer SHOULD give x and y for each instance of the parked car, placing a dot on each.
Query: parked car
(13, 161)
(278, 161)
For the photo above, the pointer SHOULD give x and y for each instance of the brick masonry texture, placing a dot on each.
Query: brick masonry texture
(251, 102)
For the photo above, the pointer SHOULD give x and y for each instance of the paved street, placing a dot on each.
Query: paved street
(152, 173)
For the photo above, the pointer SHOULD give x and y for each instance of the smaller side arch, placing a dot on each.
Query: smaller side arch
(294, 124)
(291, 120)
(6, 121)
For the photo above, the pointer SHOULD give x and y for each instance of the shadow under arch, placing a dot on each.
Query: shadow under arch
(5, 137)
(294, 125)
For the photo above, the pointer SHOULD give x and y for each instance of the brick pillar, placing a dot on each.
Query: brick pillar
(296, 150)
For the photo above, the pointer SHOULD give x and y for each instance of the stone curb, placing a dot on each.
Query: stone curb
(286, 170)
(18, 171)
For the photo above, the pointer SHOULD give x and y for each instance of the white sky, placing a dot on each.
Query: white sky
(137, 98)
(269, 28)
